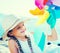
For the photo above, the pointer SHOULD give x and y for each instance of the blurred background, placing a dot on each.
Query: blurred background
(20, 8)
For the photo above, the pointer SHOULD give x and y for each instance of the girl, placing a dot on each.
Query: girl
(21, 41)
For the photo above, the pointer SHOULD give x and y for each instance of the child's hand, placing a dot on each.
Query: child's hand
(32, 32)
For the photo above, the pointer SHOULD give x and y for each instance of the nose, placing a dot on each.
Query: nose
(23, 28)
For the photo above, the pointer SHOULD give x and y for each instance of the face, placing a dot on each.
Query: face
(19, 30)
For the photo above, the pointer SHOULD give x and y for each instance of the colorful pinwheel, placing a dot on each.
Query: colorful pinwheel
(48, 14)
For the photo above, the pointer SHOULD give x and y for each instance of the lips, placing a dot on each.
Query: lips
(23, 31)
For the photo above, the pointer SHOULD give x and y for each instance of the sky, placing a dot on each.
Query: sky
(17, 7)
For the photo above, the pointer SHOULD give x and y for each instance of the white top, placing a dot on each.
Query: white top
(26, 48)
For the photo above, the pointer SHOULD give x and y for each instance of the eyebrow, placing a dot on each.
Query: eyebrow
(20, 25)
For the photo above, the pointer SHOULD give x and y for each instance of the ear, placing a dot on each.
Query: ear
(11, 33)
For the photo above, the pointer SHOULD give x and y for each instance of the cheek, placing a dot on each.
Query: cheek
(15, 33)
(18, 33)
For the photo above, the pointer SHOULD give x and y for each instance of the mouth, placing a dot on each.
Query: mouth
(23, 31)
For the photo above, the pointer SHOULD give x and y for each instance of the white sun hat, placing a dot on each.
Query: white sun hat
(10, 21)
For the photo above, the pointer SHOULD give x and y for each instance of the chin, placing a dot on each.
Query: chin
(23, 34)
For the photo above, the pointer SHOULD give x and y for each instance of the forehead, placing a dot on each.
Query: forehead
(20, 24)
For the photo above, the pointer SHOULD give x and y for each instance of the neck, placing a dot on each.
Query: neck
(23, 38)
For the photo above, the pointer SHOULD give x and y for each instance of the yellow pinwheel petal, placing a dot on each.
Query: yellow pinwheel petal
(37, 11)
(43, 18)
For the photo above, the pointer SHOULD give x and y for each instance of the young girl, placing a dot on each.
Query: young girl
(21, 41)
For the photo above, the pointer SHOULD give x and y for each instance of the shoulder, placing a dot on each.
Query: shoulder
(12, 46)
(11, 42)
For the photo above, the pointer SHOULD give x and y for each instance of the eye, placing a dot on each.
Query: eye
(23, 24)
(18, 27)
